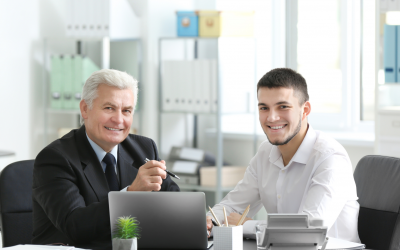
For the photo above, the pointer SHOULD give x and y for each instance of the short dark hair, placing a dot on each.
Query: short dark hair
(285, 78)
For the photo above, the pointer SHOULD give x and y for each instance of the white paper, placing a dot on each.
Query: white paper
(334, 243)
(187, 167)
(42, 247)
(192, 154)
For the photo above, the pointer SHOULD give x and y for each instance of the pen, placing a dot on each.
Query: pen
(170, 173)
(243, 216)
(215, 217)
(226, 218)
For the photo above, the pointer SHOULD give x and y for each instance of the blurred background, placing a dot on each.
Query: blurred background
(198, 63)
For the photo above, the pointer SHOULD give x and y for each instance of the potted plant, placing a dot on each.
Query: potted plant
(126, 233)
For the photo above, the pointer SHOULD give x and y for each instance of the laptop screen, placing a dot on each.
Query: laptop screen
(167, 219)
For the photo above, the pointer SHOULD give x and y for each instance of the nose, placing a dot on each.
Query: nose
(273, 116)
(118, 117)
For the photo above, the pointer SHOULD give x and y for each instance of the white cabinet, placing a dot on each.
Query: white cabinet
(388, 137)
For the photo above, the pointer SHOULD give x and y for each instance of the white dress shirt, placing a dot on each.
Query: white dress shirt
(318, 181)
(100, 153)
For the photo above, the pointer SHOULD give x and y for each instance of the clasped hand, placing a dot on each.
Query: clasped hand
(149, 177)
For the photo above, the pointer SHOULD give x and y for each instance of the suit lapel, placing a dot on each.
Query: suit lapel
(91, 166)
(126, 164)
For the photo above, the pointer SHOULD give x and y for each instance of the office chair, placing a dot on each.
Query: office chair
(378, 188)
(16, 203)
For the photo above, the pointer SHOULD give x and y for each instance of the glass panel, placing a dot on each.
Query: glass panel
(368, 61)
(318, 53)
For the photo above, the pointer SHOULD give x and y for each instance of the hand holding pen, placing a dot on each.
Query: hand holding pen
(166, 170)
(149, 177)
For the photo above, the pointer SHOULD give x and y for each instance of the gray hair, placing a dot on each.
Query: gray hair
(110, 77)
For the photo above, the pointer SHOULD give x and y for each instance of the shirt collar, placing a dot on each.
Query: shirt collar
(303, 152)
(100, 152)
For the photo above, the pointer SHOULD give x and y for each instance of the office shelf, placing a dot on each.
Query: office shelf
(193, 48)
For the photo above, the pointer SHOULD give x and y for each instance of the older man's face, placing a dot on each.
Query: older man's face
(109, 121)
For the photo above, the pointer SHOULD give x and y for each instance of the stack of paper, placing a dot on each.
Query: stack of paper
(42, 247)
(334, 243)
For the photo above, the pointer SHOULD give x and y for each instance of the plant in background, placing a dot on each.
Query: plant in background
(127, 228)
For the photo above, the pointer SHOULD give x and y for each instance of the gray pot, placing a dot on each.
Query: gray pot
(122, 244)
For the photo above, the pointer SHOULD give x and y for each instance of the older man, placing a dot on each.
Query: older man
(73, 175)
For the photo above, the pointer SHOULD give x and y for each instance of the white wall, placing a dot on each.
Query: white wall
(19, 36)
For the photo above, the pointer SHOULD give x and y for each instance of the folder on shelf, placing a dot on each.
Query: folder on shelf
(67, 84)
(187, 86)
(69, 23)
(390, 53)
(167, 86)
(55, 82)
(214, 85)
(77, 81)
(206, 85)
(397, 55)
(197, 84)
(105, 17)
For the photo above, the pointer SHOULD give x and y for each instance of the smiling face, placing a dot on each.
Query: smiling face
(109, 120)
(281, 116)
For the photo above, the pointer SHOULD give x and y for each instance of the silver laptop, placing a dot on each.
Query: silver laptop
(167, 219)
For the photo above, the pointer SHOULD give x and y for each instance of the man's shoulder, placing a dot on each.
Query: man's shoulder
(135, 137)
(327, 145)
(64, 145)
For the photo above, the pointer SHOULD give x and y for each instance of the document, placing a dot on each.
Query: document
(42, 247)
(334, 243)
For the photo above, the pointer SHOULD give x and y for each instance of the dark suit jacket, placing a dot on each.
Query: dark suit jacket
(70, 190)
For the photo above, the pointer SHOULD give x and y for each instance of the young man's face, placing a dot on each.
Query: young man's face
(109, 121)
(280, 114)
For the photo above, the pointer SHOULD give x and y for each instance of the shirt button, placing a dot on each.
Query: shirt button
(279, 196)
(283, 171)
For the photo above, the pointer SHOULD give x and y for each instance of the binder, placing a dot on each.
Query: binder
(397, 54)
(55, 79)
(77, 81)
(390, 53)
(189, 90)
(206, 86)
(167, 86)
(66, 81)
(69, 19)
(186, 84)
(214, 85)
(197, 96)
(105, 18)
(76, 11)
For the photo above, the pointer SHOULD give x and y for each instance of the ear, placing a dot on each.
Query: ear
(306, 110)
(84, 109)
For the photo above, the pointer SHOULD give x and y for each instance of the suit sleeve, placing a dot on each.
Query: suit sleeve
(55, 188)
(168, 184)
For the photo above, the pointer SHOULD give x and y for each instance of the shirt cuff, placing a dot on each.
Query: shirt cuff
(249, 229)
(124, 190)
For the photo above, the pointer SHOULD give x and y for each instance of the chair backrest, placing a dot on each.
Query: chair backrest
(16, 203)
(378, 188)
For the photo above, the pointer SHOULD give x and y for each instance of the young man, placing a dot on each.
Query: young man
(73, 175)
(298, 170)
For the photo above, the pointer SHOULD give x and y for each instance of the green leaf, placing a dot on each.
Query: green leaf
(127, 227)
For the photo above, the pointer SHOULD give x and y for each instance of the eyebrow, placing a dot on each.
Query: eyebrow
(278, 103)
(114, 106)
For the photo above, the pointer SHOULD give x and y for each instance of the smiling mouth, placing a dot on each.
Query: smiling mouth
(113, 129)
(277, 127)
